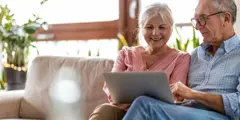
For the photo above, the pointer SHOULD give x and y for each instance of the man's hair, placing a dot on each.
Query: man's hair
(227, 6)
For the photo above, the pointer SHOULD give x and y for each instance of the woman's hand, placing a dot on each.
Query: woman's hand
(121, 106)
(181, 92)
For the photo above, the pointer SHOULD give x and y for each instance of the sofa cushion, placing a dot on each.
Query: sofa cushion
(44, 72)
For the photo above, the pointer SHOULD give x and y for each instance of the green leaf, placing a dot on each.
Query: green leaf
(36, 49)
(179, 44)
(43, 2)
(186, 45)
(89, 53)
(122, 39)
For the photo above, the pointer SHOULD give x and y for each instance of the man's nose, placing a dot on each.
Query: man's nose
(198, 26)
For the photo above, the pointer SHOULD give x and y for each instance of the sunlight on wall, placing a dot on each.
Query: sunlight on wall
(237, 24)
(107, 48)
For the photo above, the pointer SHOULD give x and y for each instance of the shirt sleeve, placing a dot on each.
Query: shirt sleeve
(231, 103)
(181, 68)
(119, 66)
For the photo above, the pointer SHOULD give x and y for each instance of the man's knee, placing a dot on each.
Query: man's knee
(147, 101)
(107, 112)
(143, 99)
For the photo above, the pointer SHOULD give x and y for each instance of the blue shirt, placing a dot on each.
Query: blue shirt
(218, 74)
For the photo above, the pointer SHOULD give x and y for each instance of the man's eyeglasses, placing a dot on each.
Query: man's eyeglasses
(201, 20)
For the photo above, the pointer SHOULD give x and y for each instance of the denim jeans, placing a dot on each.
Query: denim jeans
(146, 108)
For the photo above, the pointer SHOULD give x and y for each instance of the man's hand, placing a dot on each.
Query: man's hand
(181, 92)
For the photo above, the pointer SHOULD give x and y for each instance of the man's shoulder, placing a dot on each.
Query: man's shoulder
(195, 51)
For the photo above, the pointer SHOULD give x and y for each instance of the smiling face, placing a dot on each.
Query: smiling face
(213, 31)
(156, 32)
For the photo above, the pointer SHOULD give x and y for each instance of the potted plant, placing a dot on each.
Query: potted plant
(183, 46)
(16, 41)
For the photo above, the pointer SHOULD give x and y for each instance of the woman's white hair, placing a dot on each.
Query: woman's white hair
(153, 10)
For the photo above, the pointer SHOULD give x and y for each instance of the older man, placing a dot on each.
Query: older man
(214, 77)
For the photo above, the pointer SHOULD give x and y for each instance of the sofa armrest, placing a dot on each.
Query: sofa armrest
(10, 103)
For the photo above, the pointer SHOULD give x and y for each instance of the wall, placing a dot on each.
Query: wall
(237, 24)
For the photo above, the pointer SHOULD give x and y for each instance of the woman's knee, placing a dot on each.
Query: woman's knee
(107, 112)
(106, 107)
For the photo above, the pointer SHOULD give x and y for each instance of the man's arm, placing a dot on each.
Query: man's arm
(213, 101)
(228, 104)
(210, 100)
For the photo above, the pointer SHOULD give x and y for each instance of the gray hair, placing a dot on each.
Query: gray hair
(153, 10)
(225, 5)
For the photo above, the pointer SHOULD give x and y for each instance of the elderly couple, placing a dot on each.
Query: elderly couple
(207, 81)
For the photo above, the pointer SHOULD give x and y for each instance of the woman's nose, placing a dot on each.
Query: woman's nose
(156, 31)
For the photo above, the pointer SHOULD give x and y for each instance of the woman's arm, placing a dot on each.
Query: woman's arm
(180, 71)
(119, 66)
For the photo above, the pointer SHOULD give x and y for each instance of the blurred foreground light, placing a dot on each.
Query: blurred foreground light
(66, 91)
(65, 94)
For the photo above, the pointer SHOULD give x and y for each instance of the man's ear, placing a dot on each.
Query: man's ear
(227, 18)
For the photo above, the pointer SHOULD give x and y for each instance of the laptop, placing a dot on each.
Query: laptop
(124, 87)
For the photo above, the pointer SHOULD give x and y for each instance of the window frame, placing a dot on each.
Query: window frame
(95, 30)
(125, 25)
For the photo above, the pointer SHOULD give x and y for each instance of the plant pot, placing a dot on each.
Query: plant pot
(15, 79)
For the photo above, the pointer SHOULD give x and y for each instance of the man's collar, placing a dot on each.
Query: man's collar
(227, 45)
(231, 43)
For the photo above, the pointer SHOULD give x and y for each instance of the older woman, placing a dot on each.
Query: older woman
(155, 27)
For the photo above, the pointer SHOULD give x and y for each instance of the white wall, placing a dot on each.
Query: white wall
(237, 24)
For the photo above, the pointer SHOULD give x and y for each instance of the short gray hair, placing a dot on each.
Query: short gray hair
(153, 10)
(226, 5)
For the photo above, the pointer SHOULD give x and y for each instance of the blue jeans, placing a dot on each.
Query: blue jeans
(146, 108)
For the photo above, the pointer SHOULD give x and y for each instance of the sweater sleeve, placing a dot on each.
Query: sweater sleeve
(119, 66)
(181, 68)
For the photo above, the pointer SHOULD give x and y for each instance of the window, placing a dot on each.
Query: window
(65, 11)
(77, 27)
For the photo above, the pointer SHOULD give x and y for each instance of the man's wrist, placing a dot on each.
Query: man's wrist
(195, 94)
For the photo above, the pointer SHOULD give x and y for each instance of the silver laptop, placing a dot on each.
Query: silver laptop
(124, 87)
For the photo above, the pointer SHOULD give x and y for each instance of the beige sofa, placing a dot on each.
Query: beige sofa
(37, 101)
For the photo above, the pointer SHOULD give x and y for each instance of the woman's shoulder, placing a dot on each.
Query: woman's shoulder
(180, 53)
(133, 49)
(185, 56)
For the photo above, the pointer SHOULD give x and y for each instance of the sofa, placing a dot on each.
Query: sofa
(44, 98)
